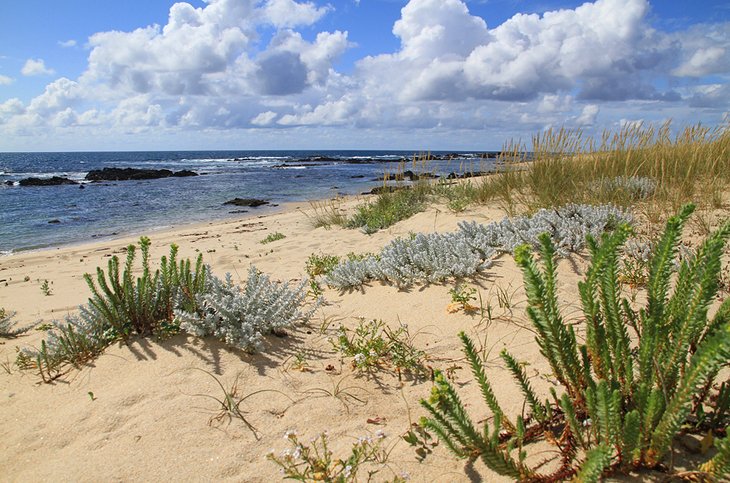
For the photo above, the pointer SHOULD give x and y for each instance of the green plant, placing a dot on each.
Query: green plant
(374, 345)
(389, 208)
(315, 461)
(321, 264)
(461, 298)
(272, 237)
(118, 308)
(46, 288)
(140, 305)
(623, 402)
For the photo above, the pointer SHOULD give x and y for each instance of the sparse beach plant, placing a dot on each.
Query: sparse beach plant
(7, 326)
(373, 345)
(315, 461)
(462, 296)
(326, 214)
(46, 288)
(272, 237)
(624, 397)
(321, 264)
(344, 394)
(230, 403)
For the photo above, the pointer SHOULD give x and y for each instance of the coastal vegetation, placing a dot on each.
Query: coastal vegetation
(7, 325)
(623, 369)
(626, 396)
(176, 296)
(637, 163)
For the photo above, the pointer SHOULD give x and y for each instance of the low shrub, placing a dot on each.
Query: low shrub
(435, 257)
(241, 317)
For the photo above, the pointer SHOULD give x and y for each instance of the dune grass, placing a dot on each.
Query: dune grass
(567, 167)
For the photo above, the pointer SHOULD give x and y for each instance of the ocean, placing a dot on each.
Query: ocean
(33, 217)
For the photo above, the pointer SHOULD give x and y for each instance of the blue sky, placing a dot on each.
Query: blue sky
(418, 74)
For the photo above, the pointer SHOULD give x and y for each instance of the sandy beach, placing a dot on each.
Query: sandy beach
(145, 421)
(140, 412)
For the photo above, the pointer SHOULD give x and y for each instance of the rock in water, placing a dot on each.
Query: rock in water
(126, 174)
(252, 202)
(54, 181)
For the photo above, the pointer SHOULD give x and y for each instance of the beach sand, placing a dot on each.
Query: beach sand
(139, 411)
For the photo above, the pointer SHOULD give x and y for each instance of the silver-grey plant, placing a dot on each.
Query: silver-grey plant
(242, 316)
(435, 257)
(635, 187)
(7, 326)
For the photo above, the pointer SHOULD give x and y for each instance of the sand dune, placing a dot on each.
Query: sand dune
(138, 412)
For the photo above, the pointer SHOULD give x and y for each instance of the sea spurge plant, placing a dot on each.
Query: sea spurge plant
(133, 302)
(130, 304)
(640, 377)
(242, 316)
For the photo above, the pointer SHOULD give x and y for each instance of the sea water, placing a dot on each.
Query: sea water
(46, 216)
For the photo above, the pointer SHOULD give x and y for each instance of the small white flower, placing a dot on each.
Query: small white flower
(373, 353)
(405, 475)
(359, 358)
(290, 434)
(347, 471)
(380, 434)
(297, 452)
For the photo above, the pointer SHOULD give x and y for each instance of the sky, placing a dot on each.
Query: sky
(85, 75)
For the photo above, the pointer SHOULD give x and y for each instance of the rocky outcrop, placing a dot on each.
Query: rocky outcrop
(54, 181)
(251, 202)
(127, 174)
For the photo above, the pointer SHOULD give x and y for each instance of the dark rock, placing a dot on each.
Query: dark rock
(126, 174)
(54, 221)
(82, 187)
(357, 176)
(235, 212)
(55, 181)
(9, 183)
(470, 174)
(185, 173)
(252, 202)
(385, 189)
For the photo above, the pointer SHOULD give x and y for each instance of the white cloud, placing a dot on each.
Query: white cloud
(588, 115)
(67, 43)
(208, 68)
(288, 13)
(36, 67)
(5, 80)
(705, 50)
(264, 118)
